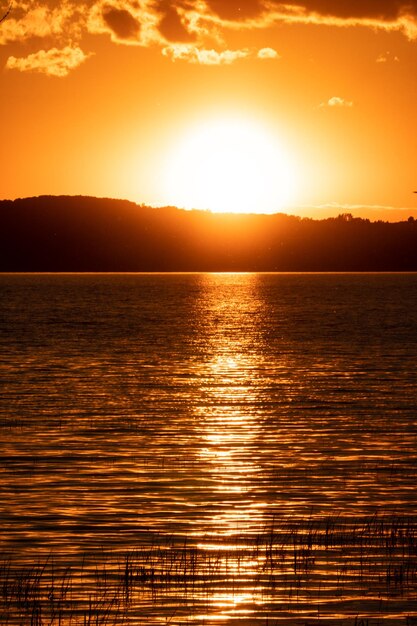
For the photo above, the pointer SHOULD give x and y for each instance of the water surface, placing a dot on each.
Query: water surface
(212, 411)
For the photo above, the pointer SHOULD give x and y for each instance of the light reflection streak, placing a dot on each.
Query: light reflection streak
(229, 605)
(228, 426)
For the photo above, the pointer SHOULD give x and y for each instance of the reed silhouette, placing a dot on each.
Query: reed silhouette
(4, 16)
(309, 567)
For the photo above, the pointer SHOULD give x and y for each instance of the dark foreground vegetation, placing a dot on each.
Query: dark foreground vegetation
(89, 234)
(360, 572)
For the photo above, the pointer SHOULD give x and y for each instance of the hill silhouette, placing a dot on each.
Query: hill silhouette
(86, 234)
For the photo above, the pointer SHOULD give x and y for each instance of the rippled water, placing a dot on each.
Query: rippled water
(255, 434)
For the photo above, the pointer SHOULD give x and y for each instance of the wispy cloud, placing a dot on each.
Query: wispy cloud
(52, 62)
(205, 56)
(193, 54)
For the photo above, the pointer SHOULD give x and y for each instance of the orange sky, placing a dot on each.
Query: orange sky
(101, 98)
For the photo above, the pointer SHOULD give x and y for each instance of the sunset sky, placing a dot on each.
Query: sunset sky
(306, 107)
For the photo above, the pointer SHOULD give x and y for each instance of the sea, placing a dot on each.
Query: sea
(231, 448)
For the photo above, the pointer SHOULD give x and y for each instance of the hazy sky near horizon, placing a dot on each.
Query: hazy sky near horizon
(212, 103)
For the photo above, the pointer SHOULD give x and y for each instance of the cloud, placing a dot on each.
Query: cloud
(38, 21)
(193, 30)
(210, 56)
(386, 57)
(377, 10)
(237, 10)
(335, 101)
(122, 23)
(174, 24)
(268, 53)
(385, 14)
(145, 23)
(193, 54)
(52, 62)
(125, 21)
(356, 9)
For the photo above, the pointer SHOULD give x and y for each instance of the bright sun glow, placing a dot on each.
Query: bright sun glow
(231, 165)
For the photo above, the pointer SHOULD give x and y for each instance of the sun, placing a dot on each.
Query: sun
(229, 165)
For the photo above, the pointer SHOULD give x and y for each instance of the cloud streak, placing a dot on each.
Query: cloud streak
(399, 15)
(51, 62)
(193, 54)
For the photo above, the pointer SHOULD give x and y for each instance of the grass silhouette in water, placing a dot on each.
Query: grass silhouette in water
(350, 571)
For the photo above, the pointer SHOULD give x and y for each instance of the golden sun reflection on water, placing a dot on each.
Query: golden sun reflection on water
(228, 426)
(229, 605)
(226, 455)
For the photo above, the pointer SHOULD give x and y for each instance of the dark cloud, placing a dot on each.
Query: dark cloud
(236, 9)
(345, 9)
(121, 22)
(172, 28)
(382, 10)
